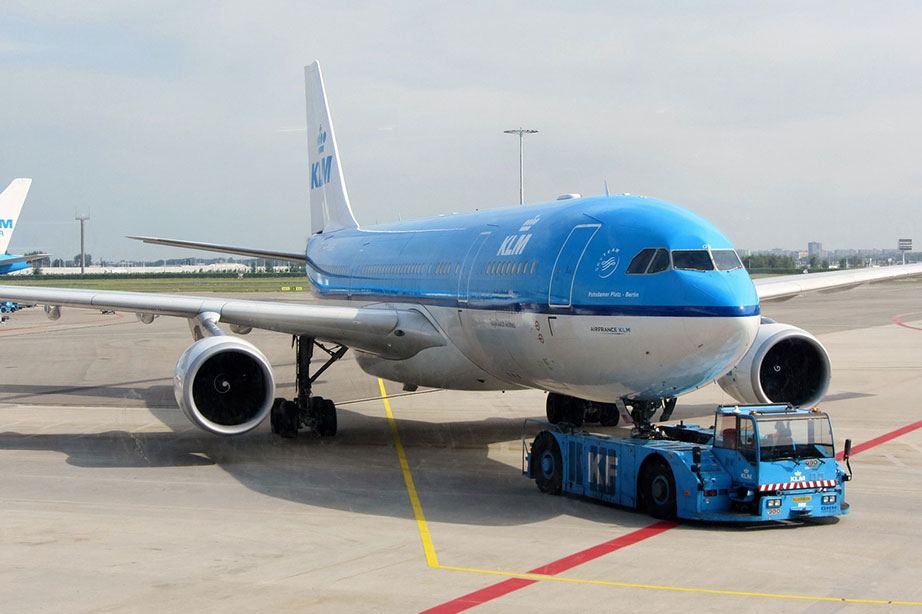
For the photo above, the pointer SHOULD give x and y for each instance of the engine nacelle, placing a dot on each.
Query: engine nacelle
(784, 365)
(224, 385)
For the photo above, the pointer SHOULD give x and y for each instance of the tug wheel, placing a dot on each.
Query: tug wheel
(659, 490)
(547, 464)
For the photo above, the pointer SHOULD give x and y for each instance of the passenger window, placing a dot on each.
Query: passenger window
(660, 262)
(639, 264)
(692, 260)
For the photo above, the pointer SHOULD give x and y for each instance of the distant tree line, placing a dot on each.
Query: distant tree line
(770, 263)
(294, 268)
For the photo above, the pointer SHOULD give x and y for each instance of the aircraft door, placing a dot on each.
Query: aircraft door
(560, 292)
(467, 266)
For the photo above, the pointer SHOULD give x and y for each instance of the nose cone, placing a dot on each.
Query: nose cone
(728, 320)
(720, 293)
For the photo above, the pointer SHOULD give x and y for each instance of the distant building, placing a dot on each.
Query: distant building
(814, 250)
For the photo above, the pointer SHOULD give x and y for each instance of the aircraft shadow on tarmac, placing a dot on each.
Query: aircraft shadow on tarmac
(151, 395)
(147, 392)
(357, 471)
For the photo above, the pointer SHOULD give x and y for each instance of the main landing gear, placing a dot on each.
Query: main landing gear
(575, 411)
(306, 411)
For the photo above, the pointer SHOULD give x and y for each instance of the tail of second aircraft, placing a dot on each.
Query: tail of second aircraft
(330, 208)
(11, 201)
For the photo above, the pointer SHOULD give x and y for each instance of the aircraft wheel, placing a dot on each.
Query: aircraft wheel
(659, 490)
(608, 414)
(593, 412)
(575, 411)
(547, 464)
(275, 415)
(288, 420)
(326, 418)
(555, 408)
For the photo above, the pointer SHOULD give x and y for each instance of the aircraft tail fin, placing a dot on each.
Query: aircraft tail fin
(11, 201)
(330, 208)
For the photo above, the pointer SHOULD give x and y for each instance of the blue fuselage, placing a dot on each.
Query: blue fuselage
(10, 267)
(600, 298)
(566, 257)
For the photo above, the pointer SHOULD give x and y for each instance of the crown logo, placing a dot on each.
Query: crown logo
(321, 140)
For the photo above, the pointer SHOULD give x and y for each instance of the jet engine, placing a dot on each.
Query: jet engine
(784, 365)
(224, 385)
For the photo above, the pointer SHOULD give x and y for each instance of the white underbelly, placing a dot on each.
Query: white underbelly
(599, 357)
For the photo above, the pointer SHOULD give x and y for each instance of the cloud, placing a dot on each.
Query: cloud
(776, 121)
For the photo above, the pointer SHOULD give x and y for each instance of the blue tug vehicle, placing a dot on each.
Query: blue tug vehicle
(756, 463)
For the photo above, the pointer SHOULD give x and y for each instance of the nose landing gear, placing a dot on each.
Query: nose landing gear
(572, 410)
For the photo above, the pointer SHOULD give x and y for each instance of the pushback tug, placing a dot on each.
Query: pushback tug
(756, 463)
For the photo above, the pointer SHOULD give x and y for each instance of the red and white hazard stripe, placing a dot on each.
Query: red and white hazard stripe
(798, 485)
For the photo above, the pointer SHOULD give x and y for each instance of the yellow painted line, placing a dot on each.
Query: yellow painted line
(424, 535)
(533, 576)
(426, 539)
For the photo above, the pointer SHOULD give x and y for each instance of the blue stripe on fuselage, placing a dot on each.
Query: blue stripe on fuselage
(512, 259)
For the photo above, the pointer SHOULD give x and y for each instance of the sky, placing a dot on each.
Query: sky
(780, 122)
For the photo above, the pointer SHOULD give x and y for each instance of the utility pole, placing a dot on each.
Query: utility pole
(521, 132)
(82, 219)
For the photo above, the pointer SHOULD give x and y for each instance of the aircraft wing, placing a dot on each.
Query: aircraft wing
(226, 249)
(15, 259)
(384, 331)
(788, 286)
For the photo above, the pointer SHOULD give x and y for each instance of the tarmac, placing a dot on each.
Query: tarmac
(110, 500)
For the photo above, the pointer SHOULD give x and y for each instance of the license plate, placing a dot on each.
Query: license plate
(800, 499)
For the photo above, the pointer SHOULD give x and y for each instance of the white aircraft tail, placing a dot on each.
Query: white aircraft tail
(11, 201)
(330, 208)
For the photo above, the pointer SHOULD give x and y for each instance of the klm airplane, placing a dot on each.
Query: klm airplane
(11, 201)
(611, 304)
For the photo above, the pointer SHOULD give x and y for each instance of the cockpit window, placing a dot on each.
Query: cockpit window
(726, 259)
(660, 262)
(692, 260)
(639, 264)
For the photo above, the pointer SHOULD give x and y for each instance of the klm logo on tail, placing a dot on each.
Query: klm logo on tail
(321, 140)
(321, 171)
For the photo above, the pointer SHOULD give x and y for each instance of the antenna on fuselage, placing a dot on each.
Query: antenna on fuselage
(605, 181)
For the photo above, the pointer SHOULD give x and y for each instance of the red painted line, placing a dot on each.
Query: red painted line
(482, 596)
(513, 584)
(898, 320)
(552, 569)
(861, 447)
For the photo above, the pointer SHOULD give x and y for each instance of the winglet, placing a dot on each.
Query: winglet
(11, 201)
(330, 208)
